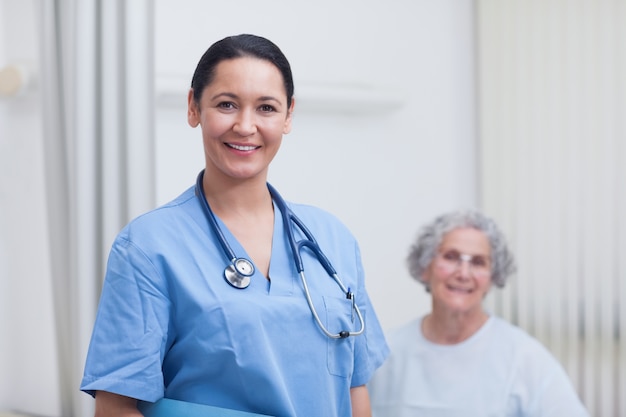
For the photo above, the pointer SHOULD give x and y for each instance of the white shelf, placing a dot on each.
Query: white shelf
(171, 91)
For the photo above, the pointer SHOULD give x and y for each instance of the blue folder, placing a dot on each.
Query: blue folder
(174, 408)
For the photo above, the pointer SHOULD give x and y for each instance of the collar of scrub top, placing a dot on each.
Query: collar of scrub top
(239, 270)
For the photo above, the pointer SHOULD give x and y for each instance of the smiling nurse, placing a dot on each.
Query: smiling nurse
(204, 299)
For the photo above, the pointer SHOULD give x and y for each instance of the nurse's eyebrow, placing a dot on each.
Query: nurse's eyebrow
(235, 96)
(229, 95)
(269, 98)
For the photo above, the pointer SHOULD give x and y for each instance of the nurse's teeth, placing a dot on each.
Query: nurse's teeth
(242, 148)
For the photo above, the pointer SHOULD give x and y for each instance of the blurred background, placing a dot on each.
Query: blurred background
(404, 109)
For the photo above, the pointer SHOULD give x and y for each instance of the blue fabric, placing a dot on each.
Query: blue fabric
(169, 325)
(501, 371)
(173, 408)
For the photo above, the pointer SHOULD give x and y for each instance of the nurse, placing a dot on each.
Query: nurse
(459, 360)
(169, 324)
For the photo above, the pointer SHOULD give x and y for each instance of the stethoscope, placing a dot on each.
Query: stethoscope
(239, 270)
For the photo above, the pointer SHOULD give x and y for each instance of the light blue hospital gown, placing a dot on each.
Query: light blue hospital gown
(168, 324)
(501, 371)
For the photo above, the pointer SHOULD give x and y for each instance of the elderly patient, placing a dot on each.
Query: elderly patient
(459, 360)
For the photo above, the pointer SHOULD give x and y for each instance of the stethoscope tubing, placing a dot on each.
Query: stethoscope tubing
(296, 247)
(311, 244)
(212, 220)
(344, 333)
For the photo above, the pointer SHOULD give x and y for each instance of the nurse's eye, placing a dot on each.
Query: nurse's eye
(226, 105)
(267, 108)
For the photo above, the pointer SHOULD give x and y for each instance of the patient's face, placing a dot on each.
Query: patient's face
(460, 274)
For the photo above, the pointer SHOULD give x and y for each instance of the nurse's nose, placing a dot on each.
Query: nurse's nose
(245, 123)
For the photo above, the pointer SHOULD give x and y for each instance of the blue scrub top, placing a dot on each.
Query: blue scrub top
(168, 324)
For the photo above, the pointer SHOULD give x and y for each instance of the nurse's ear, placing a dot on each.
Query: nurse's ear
(287, 126)
(193, 111)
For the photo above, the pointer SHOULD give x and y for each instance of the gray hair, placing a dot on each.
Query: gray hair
(423, 251)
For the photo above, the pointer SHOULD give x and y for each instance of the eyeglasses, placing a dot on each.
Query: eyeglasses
(451, 261)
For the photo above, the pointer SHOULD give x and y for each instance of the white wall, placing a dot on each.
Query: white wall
(383, 134)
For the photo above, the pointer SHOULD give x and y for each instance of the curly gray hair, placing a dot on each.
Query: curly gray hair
(423, 251)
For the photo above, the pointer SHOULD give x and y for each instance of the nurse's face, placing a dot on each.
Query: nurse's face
(243, 115)
(460, 274)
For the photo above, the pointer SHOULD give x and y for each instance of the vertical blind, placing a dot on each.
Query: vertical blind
(97, 89)
(552, 133)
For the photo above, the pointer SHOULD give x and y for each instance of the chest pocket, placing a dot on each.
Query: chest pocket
(339, 317)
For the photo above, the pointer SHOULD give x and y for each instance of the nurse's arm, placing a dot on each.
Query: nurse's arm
(360, 399)
(114, 405)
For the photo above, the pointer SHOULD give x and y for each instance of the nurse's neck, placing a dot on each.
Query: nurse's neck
(231, 199)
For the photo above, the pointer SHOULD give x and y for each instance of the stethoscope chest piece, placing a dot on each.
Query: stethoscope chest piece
(239, 272)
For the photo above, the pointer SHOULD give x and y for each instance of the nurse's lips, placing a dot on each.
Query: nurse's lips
(242, 147)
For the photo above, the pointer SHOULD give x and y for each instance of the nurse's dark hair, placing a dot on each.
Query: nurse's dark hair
(238, 46)
(424, 249)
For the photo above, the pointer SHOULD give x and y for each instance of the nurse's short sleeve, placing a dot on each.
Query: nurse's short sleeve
(371, 349)
(130, 331)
